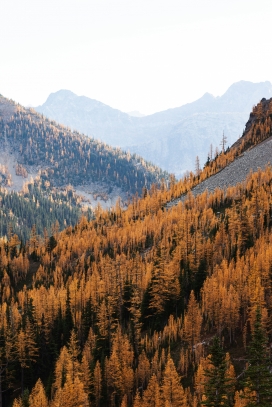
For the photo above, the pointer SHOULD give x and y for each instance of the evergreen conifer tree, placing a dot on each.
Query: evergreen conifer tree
(217, 389)
(258, 378)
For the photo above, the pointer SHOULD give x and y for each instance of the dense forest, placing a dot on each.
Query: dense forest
(62, 160)
(70, 157)
(38, 207)
(148, 306)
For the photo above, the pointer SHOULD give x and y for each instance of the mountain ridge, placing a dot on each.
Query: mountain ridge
(166, 137)
(252, 152)
(139, 303)
(48, 163)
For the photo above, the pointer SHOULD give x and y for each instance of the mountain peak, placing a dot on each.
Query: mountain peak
(208, 96)
(171, 138)
(60, 95)
(242, 95)
(249, 89)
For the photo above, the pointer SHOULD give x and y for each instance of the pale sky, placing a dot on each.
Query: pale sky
(146, 55)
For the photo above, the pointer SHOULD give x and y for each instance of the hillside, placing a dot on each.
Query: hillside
(173, 138)
(38, 210)
(125, 309)
(252, 160)
(250, 153)
(63, 165)
(71, 158)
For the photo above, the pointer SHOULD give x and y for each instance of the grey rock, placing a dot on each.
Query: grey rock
(250, 161)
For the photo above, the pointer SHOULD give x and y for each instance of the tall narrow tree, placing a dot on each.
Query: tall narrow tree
(258, 377)
(217, 391)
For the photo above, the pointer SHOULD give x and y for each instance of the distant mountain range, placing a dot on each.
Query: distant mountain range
(170, 139)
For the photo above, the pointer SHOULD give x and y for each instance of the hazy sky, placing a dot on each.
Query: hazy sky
(146, 55)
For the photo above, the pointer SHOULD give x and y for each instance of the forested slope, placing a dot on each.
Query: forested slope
(45, 164)
(232, 165)
(38, 209)
(71, 157)
(125, 309)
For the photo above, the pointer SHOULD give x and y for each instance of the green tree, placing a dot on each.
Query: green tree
(258, 378)
(218, 387)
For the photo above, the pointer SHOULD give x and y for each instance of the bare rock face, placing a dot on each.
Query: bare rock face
(251, 153)
(170, 139)
(252, 160)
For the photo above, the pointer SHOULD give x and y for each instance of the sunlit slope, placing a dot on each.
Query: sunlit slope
(249, 153)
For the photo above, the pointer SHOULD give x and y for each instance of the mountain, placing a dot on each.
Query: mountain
(149, 305)
(51, 165)
(90, 117)
(171, 139)
(250, 153)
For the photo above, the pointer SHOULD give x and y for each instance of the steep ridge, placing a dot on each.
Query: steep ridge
(90, 117)
(173, 138)
(250, 161)
(251, 152)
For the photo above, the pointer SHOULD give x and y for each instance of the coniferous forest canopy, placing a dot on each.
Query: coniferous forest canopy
(72, 158)
(63, 159)
(148, 306)
(37, 207)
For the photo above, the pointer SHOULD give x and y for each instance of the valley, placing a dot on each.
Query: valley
(135, 204)
(132, 307)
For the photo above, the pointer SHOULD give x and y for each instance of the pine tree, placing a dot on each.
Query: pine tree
(258, 378)
(137, 400)
(17, 403)
(197, 166)
(74, 352)
(217, 391)
(71, 395)
(6, 350)
(68, 320)
(223, 142)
